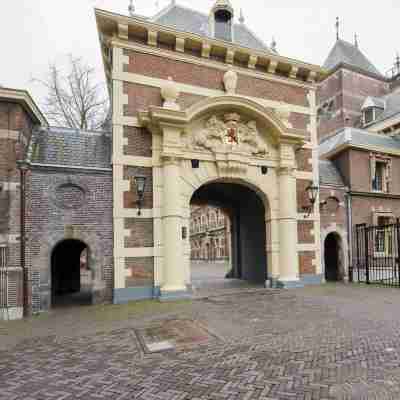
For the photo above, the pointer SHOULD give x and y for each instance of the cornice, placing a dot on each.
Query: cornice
(354, 193)
(353, 68)
(108, 24)
(24, 98)
(346, 146)
(207, 62)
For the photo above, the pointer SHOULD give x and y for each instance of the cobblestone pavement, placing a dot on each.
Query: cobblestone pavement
(331, 342)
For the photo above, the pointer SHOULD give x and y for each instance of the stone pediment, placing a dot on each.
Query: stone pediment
(229, 133)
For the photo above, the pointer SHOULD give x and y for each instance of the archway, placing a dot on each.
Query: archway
(333, 258)
(71, 280)
(245, 238)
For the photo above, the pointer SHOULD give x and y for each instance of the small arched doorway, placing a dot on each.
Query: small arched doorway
(71, 280)
(332, 258)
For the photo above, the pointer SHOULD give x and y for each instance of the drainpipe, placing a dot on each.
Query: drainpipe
(23, 168)
(349, 228)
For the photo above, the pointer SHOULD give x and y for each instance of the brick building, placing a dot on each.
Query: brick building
(209, 234)
(204, 112)
(358, 126)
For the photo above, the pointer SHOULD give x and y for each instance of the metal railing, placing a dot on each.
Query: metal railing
(376, 254)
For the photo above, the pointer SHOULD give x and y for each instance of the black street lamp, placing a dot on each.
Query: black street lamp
(140, 182)
(312, 193)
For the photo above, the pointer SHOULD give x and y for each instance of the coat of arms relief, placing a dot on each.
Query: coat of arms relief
(229, 133)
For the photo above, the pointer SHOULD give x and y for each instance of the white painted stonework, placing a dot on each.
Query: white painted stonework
(198, 133)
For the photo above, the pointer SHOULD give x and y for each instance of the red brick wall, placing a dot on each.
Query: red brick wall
(348, 89)
(140, 97)
(305, 262)
(130, 197)
(302, 158)
(362, 208)
(304, 231)
(140, 272)
(141, 232)
(212, 78)
(139, 142)
(302, 196)
(330, 213)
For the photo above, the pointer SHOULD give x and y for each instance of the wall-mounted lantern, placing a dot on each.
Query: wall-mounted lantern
(264, 169)
(140, 182)
(312, 193)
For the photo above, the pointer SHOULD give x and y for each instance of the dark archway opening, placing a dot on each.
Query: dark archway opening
(332, 259)
(245, 241)
(70, 274)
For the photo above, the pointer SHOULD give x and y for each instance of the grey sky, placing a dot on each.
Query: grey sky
(35, 33)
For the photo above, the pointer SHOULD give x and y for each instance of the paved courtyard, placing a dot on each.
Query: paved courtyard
(331, 342)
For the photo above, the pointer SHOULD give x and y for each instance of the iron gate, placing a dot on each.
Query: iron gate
(376, 254)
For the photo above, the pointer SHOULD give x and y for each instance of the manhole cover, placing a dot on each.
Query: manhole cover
(173, 334)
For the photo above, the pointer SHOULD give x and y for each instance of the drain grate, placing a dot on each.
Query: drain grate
(177, 334)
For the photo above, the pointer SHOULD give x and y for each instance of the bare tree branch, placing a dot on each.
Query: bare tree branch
(74, 99)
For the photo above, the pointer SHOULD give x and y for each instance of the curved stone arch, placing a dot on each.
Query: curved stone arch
(92, 240)
(253, 108)
(343, 247)
(211, 175)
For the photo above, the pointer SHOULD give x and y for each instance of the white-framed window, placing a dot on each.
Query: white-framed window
(383, 237)
(369, 115)
(3, 256)
(380, 173)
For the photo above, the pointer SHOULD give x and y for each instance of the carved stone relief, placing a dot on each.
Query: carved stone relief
(230, 134)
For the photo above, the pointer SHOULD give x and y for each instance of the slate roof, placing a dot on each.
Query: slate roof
(328, 174)
(392, 107)
(188, 20)
(347, 53)
(71, 147)
(358, 137)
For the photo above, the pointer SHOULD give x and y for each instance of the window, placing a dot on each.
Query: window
(3, 256)
(368, 115)
(380, 173)
(384, 237)
(377, 183)
(223, 25)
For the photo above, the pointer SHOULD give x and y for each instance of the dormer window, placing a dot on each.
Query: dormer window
(371, 110)
(369, 115)
(223, 25)
(221, 20)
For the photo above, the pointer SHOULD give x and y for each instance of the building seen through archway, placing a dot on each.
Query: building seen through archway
(71, 281)
(227, 235)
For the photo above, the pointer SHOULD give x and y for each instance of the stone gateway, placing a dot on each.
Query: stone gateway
(203, 112)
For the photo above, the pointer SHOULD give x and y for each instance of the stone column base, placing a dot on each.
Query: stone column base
(278, 284)
(175, 295)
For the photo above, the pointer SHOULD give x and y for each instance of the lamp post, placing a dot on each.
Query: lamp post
(312, 193)
(140, 182)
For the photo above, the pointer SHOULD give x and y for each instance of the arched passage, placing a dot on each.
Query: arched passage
(70, 273)
(333, 258)
(247, 241)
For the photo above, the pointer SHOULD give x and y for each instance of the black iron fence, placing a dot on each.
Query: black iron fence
(376, 254)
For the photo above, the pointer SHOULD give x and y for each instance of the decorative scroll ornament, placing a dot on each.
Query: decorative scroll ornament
(230, 134)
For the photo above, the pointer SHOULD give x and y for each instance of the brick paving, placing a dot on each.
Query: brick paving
(332, 342)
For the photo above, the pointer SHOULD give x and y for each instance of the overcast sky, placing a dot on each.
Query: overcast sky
(35, 33)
